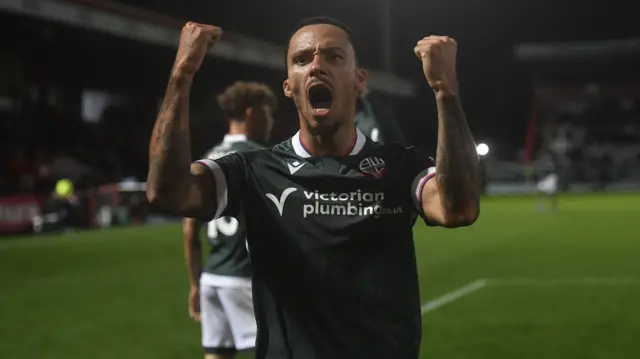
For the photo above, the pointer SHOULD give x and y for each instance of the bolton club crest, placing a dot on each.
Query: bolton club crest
(373, 166)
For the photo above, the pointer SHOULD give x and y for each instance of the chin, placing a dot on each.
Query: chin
(322, 126)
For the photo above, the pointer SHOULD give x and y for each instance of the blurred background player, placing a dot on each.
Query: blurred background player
(220, 295)
(376, 120)
(548, 188)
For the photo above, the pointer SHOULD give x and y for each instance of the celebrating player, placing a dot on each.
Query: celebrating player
(329, 213)
(220, 296)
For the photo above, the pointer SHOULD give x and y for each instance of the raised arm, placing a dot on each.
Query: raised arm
(453, 198)
(174, 185)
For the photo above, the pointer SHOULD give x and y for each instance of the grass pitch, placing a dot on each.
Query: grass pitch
(554, 286)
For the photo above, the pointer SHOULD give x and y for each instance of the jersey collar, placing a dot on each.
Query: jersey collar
(228, 139)
(359, 140)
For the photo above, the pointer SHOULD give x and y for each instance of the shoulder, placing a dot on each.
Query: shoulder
(255, 155)
(219, 150)
(399, 155)
(247, 146)
(284, 146)
(392, 149)
(225, 149)
(277, 152)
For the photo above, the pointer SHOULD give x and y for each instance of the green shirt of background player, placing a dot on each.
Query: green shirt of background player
(376, 120)
(226, 274)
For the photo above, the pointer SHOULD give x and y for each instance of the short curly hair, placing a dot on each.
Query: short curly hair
(240, 96)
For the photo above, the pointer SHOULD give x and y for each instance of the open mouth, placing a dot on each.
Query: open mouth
(320, 98)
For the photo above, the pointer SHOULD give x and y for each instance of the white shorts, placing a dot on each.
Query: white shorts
(549, 185)
(226, 314)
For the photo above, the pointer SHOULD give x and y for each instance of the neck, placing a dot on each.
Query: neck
(238, 128)
(335, 144)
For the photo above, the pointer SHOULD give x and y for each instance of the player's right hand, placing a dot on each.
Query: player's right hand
(195, 40)
(194, 303)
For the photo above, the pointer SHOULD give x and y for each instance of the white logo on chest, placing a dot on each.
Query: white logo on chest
(279, 202)
(356, 203)
(295, 166)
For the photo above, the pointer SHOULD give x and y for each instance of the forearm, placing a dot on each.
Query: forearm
(457, 166)
(193, 256)
(169, 181)
(192, 251)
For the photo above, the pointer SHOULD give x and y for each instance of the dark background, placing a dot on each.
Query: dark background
(497, 88)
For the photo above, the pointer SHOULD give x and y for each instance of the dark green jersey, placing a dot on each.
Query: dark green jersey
(377, 121)
(227, 235)
(331, 245)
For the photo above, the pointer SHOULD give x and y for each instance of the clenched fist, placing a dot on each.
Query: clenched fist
(438, 56)
(195, 40)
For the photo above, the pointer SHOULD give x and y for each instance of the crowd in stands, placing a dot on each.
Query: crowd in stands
(43, 142)
(597, 138)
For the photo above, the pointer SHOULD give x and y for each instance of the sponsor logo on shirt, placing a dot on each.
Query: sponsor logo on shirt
(357, 203)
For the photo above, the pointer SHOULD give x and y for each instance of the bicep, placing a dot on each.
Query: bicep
(186, 195)
(222, 186)
(435, 212)
(426, 197)
(200, 201)
(432, 208)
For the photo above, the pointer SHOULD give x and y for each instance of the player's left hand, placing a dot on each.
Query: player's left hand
(438, 56)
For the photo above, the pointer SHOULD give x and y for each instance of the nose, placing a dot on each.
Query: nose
(318, 66)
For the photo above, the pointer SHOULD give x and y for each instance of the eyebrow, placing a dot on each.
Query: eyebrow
(332, 48)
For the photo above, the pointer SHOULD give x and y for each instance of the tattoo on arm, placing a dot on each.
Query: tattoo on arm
(456, 161)
(171, 186)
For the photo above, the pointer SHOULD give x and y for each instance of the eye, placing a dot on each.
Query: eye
(299, 60)
(337, 57)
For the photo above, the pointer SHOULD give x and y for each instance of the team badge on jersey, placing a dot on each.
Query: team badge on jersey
(372, 166)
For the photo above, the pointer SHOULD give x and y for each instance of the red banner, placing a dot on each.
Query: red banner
(16, 212)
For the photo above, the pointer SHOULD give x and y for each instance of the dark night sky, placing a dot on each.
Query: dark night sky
(495, 88)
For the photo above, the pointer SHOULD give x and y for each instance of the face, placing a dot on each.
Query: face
(259, 122)
(323, 79)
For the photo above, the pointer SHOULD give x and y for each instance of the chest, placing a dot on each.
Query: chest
(328, 201)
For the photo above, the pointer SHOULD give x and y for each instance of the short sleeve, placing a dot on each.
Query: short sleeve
(229, 176)
(419, 170)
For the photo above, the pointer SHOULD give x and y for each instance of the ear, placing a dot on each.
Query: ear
(361, 79)
(287, 89)
(248, 112)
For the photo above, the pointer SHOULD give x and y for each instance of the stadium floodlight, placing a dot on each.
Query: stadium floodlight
(482, 149)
